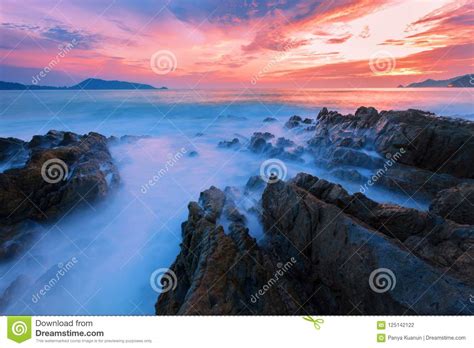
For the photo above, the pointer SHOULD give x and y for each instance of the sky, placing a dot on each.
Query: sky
(223, 43)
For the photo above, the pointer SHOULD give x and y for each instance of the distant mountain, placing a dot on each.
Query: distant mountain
(88, 84)
(458, 81)
(18, 86)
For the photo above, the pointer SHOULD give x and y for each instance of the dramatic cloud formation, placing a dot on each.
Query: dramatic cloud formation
(217, 43)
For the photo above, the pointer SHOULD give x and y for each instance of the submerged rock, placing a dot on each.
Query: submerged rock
(293, 122)
(234, 143)
(270, 119)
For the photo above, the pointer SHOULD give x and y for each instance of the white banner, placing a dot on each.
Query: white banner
(238, 332)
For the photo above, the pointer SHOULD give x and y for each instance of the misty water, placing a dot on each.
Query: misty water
(117, 244)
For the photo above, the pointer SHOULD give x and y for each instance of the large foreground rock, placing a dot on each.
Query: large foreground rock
(62, 172)
(331, 249)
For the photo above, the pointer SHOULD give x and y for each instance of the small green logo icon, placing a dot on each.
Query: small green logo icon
(380, 338)
(19, 329)
(316, 322)
(381, 325)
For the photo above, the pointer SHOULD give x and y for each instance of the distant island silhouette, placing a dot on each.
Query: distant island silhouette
(87, 84)
(458, 81)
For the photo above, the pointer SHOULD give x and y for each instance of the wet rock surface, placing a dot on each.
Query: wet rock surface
(62, 172)
(418, 152)
(219, 271)
(335, 241)
(455, 203)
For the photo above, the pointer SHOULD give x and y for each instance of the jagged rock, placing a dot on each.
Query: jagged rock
(259, 144)
(455, 203)
(337, 240)
(437, 144)
(220, 272)
(63, 170)
(293, 122)
(283, 142)
(265, 135)
(344, 252)
(418, 151)
(255, 183)
(229, 144)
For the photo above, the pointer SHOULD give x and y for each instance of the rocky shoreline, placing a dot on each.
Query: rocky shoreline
(323, 249)
(329, 252)
(335, 243)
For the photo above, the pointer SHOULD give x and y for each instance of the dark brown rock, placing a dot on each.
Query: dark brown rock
(337, 240)
(455, 203)
(63, 171)
(418, 152)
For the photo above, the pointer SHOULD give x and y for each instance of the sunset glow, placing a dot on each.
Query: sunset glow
(215, 43)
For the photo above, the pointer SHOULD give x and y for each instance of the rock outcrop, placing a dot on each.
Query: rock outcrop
(220, 272)
(455, 203)
(62, 172)
(418, 152)
(339, 245)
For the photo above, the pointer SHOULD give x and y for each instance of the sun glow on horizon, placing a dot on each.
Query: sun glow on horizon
(219, 43)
